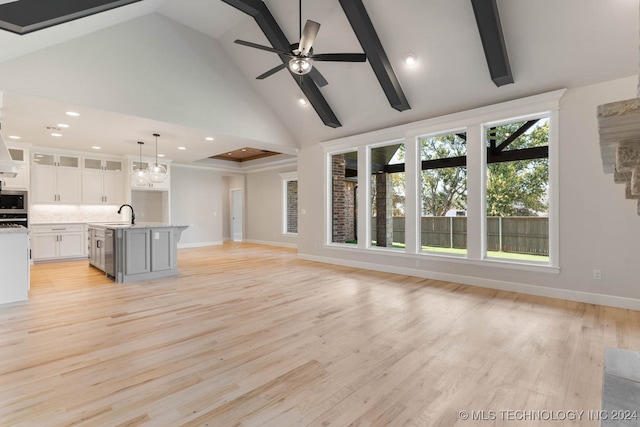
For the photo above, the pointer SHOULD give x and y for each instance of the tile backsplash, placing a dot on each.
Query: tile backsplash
(76, 213)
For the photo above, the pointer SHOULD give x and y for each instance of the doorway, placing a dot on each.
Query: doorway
(236, 215)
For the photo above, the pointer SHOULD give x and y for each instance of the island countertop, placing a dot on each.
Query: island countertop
(117, 225)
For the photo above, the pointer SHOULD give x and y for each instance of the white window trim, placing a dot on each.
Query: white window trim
(546, 104)
(286, 177)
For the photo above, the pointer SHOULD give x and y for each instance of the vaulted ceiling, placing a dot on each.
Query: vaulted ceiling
(172, 67)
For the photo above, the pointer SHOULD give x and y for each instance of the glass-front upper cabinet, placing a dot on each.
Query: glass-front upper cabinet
(102, 164)
(59, 160)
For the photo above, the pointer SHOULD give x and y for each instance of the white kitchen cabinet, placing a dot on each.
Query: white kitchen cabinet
(60, 241)
(21, 180)
(165, 185)
(102, 181)
(56, 179)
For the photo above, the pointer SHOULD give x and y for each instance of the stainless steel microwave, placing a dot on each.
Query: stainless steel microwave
(13, 201)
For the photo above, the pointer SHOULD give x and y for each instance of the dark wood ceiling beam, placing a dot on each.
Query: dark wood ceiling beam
(267, 23)
(495, 50)
(368, 38)
(26, 16)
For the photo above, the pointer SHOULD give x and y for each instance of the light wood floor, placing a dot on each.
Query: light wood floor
(250, 335)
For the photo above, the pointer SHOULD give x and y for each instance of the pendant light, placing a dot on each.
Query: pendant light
(140, 177)
(157, 172)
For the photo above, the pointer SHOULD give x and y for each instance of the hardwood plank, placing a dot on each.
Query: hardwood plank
(248, 334)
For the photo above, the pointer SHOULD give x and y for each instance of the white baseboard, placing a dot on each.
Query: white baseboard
(199, 244)
(565, 294)
(268, 243)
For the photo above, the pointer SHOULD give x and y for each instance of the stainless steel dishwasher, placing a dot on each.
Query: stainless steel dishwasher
(109, 256)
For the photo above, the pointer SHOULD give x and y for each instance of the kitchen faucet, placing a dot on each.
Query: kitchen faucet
(133, 215)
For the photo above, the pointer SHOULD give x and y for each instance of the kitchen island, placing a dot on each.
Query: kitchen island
(129, 253)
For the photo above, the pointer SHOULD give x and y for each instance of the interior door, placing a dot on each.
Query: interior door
(236, 215)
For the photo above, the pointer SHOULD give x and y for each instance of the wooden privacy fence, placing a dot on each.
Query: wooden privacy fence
(516, 234)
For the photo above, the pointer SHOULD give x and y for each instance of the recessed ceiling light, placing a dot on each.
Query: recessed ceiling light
(230, 154)
(72, 114)
(95, 147)
(160, 155)
(209, 138)
(182, 148)
(411, 59)
(56, 134)
(62, 125)
(14, 137)
(244, 149)
(302, 101)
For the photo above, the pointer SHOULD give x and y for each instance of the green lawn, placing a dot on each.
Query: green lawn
(454, 251)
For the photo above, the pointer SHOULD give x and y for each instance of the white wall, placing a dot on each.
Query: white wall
(599, 229)
(196, 200)
(264, 209)
(150, 67)
(150, 206)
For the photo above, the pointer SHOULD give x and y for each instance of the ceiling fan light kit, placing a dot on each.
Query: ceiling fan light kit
(300, 66)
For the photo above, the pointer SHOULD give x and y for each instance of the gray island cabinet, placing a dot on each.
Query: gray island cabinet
(129, 253)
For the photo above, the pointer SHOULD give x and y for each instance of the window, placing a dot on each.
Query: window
(517, 190)
(290, 202)
(344, 188)
(479, 187)
(387, 196)
(443, 192)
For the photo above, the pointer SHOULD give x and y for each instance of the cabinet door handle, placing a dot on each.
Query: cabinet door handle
(59, 229)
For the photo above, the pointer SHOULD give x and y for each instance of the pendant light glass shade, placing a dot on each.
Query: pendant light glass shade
(140, 177)
(157, 172)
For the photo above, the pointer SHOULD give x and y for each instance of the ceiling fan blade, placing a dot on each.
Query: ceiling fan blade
(318, 78)
(340, 57)
(272, 71)
(309, 34)
(266, 48)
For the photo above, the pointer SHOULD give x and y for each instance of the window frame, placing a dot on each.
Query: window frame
(553, 191)
(285, 179)
(369, 235)
(474, 122)
(418, 138)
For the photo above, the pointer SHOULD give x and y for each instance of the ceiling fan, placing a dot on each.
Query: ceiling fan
(302, 56)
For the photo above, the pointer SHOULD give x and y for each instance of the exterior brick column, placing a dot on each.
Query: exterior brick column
(384, 210)
(292, 206)
(339, 194)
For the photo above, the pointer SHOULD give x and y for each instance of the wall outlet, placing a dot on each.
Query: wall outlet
(597, 275)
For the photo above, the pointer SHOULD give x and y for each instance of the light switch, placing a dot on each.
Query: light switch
(156, 235)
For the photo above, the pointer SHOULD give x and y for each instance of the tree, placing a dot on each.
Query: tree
(519, 188)
(446, 188)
